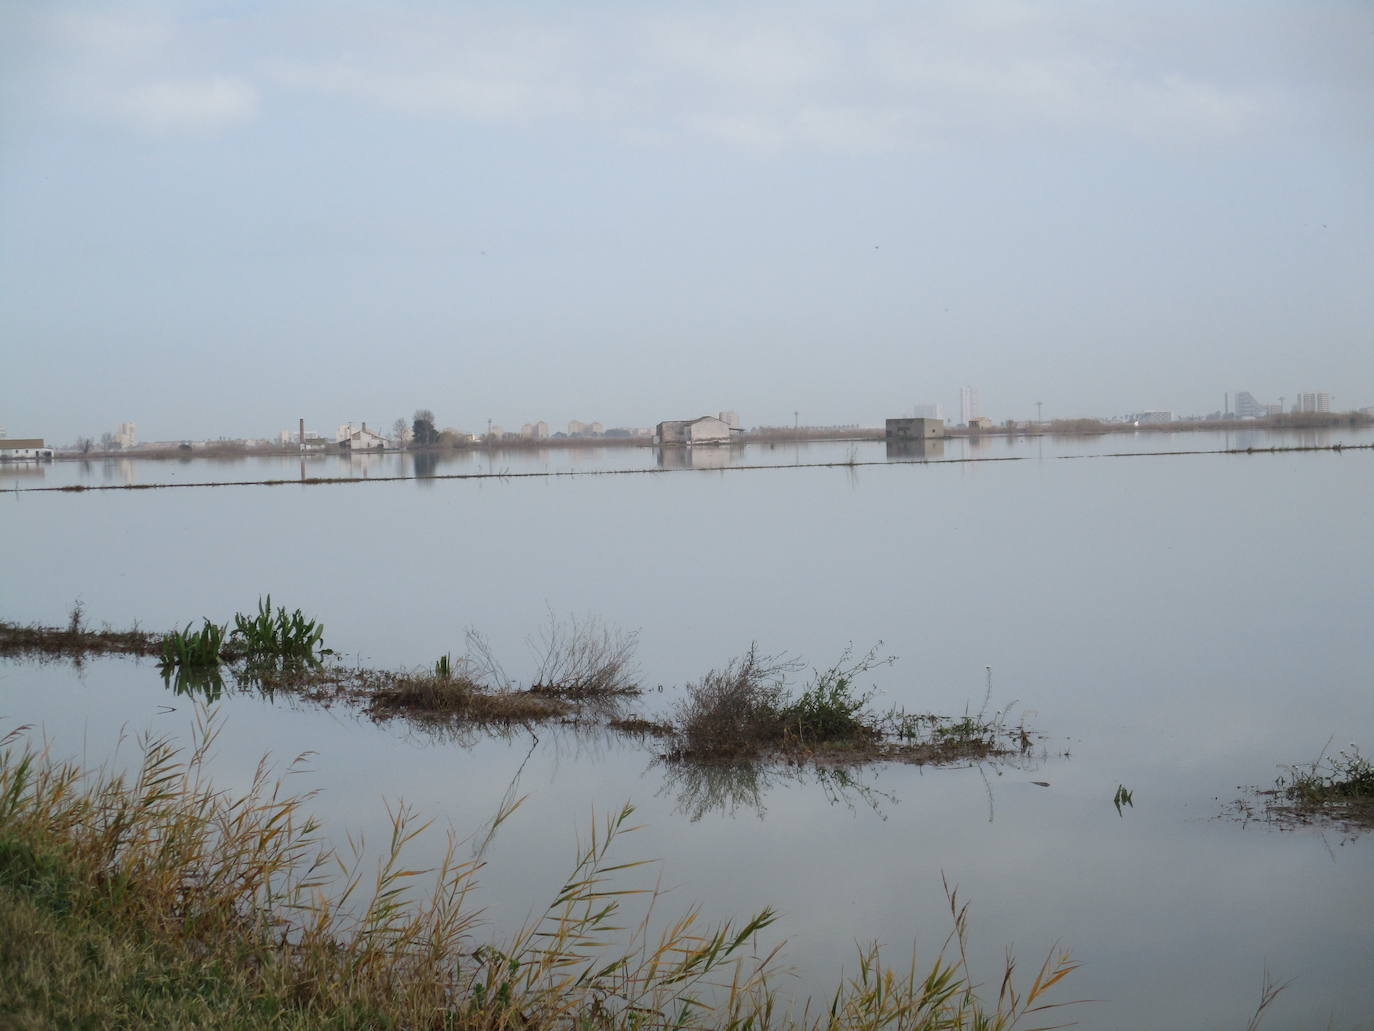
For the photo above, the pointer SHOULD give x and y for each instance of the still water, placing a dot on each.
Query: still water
(1181, 625)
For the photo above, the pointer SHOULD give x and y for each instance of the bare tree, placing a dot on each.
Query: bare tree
(398, 432)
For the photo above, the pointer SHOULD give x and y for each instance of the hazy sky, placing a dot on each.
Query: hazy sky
(218, 217)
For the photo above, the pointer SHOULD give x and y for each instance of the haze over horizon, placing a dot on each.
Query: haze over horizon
(215, 219)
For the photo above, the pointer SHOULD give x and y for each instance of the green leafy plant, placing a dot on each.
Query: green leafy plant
(278, 638)
(193, 649)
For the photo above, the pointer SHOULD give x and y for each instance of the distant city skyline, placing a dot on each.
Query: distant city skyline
(216, 218)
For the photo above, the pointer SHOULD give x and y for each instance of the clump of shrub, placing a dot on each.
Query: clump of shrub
(747, 707)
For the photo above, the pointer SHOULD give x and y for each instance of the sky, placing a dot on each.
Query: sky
(217, 218)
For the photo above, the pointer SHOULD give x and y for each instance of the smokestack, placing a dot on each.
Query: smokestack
(364, 427)
(302, 434)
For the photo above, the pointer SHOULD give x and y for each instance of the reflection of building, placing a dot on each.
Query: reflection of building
(706, 430)
(914, 448)
(697, 457)
(915, 429)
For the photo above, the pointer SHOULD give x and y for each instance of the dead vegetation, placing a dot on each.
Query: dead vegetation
(76, 640)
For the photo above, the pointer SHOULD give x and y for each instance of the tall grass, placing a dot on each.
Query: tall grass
(244, 889)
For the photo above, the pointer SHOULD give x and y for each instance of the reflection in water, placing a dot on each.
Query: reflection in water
(717, 457)
(204, 684)
(425, 463)
(702, 788)
(915, 449)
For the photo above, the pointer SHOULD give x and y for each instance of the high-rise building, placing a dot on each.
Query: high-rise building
(1246, 405)
(968, 405)
(1313, 401)
(930, 410)
(125, 435)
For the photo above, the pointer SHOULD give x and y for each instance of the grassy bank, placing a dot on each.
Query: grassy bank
(154, 900)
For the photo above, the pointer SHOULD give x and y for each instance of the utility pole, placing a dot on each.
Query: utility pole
(795, 422)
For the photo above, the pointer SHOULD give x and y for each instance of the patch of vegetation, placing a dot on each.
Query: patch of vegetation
(747, 712)
(76, 640)
(156, 900)
(1338, 789)
(446, 696)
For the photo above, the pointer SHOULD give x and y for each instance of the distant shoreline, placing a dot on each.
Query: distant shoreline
(760, 435)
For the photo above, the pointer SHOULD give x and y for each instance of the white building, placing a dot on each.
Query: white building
(363, 439)
(21, 449)
(125, 435)
(1319, 401)
(968, 405)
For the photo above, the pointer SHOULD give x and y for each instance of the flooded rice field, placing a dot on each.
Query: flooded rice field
(1182, 627)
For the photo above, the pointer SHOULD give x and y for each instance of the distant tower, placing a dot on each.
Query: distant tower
(968, 405)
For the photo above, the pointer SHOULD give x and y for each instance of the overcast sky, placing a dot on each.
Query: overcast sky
(216, 218)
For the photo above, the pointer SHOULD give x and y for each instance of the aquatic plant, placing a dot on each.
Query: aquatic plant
(279, 638)
(193, 649)
(155, 898)
(1123, 797)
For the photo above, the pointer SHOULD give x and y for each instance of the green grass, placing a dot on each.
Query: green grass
(154, 900)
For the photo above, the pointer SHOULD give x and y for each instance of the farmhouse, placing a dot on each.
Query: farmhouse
(23, 449)
(705, 430)
(915, 429)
